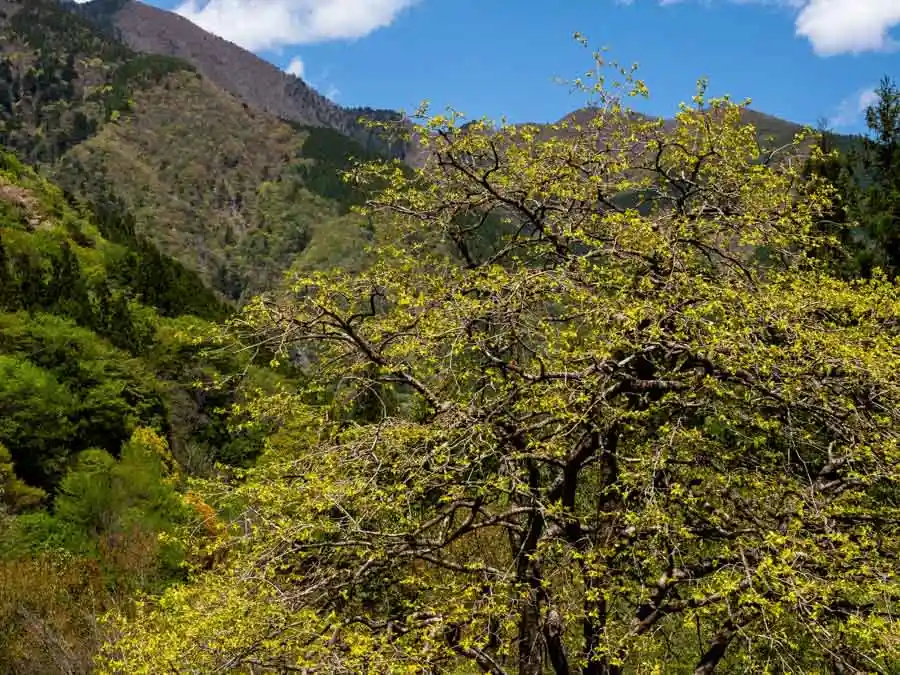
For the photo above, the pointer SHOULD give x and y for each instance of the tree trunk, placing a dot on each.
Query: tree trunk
(529, 643)
(710, 660)
(556, 650)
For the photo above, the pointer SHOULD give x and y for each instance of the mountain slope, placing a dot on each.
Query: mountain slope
(188, 160)
(211, 181)
(257, 82)
(107, 398)
(58, 80)
(215, 184)
(149, 29)
(772, 131)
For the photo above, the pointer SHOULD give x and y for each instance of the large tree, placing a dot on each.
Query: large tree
(638, 434)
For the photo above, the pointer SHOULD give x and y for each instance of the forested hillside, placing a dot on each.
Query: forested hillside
(240, 202)
(211, 182)
(105, 397)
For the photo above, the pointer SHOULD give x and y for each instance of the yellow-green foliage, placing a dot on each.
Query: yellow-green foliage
(623, 441)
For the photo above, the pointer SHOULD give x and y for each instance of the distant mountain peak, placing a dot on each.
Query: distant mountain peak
(258, 83)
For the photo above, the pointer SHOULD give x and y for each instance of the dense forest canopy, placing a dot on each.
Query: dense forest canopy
(105, 388)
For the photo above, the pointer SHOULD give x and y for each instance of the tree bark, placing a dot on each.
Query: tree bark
(710, 659)
(529, 638)
(556, 650)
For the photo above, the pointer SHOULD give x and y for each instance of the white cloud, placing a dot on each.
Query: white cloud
(850, 110)
(271, 24)
(867, 98)
(834, 26)
(295, 67)
(848, 26)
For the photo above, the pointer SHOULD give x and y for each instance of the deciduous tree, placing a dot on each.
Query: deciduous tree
(643, 440)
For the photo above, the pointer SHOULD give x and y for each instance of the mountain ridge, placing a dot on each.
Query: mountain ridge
(238, 194)
(262, 85)
(211, 181)
(149, 29)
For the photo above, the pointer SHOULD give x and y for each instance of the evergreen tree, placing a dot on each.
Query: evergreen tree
(879, 208)
(864, 218)
(121, 329)
(7, 283)
(30, 281)
(68, 288)
(846, 254)
(102, 308)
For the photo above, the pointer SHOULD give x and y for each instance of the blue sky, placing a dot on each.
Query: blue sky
(797, 59)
